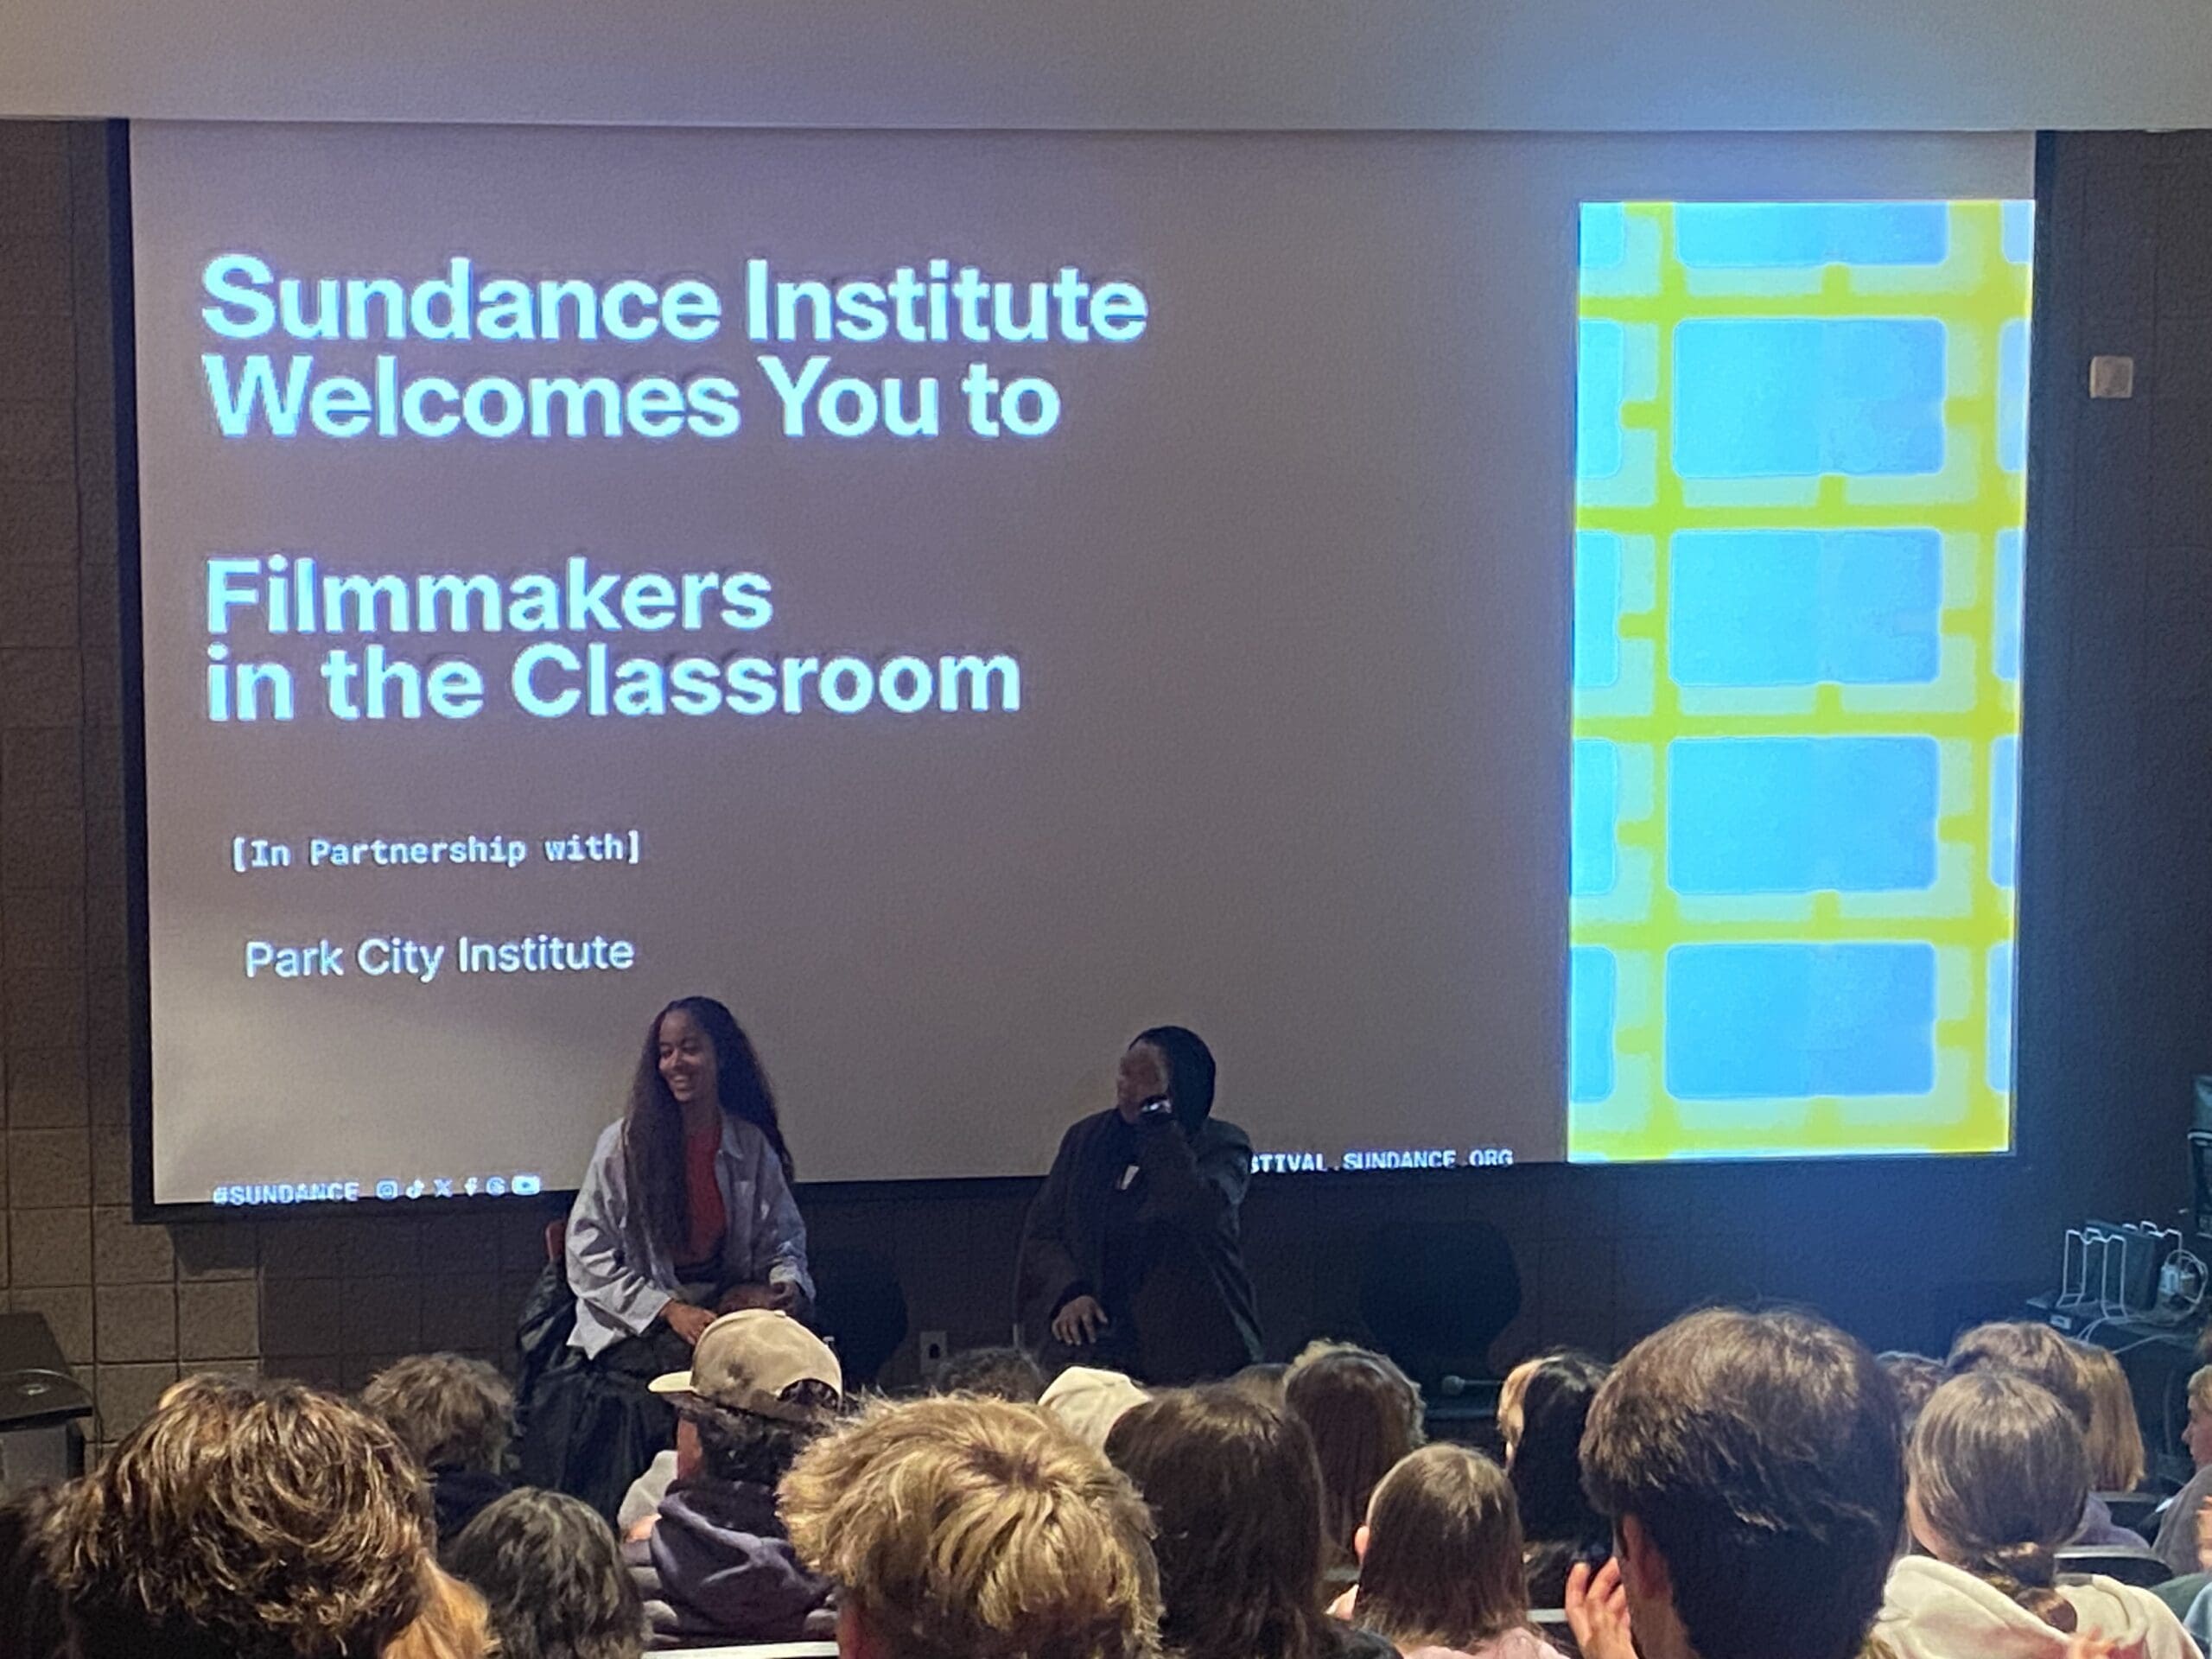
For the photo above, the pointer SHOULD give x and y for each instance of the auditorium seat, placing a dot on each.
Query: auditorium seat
(2129, 1563)
(1435, 1296)
(860, 1308)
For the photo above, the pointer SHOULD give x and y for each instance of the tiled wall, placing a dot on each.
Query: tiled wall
(2115, 1003)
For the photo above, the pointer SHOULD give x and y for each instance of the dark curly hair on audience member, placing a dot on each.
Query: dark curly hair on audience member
(1760, 1455)
(2037, 1352)
(1545, 1472)
(994, 1373)
(743, 1447)
(1236, 1494)
(1364, 1414)
(552, 1573)
(451, 1411)
(243, 1520)
(1999, 1479)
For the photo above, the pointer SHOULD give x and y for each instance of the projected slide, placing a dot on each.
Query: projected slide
(1800, 491)
(964, 599)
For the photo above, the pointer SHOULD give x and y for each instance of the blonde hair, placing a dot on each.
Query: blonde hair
(2200, 1388)
(1510, 1394)
(451, 1411)
(1443, 1563)
(2001, 1477)
(2117, 1461)
(454, 1623)
(966, 1528)
(252, 1520)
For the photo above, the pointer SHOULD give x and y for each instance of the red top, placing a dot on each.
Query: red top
(702, 1196)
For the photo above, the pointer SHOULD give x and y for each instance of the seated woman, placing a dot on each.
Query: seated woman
(1441, 1574)
(1542, 1411)
(1364, 1414)
(1236, 1496)
(1995, 1478)
(685, 1213)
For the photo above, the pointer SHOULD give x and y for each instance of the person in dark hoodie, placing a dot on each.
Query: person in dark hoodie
(713, 1564)
(453, 1413)
(1132, 1259)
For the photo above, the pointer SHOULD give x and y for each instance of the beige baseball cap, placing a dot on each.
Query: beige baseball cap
(745, 1361)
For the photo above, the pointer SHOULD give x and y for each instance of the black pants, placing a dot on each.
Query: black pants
(595, 1425)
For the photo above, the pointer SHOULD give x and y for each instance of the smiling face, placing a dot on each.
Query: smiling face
(687, 1058)
(1142, 1077)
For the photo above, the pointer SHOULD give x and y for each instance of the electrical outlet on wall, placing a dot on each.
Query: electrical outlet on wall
(934, 1351)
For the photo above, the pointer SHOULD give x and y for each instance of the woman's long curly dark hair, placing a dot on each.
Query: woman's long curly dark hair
(652, 1128)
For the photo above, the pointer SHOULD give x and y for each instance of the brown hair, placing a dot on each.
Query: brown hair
(2037, 1352)
(550, 1569)
(1236, 1492)
(453, 1624)
(449, 1411)
(248, 1520)
(2000, 1478)
(1364, 1414)
(1916, 1377)
(1760, 1453)
(1443, 1561)
(964, 1529)
(2117, 1460)
(652, 1127)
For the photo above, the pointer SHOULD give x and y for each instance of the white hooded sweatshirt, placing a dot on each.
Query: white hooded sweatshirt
(1933, 1611)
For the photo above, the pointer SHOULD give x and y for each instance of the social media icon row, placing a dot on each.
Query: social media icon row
(466, 1186)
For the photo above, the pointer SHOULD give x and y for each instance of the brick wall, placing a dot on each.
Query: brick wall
(2116, 918)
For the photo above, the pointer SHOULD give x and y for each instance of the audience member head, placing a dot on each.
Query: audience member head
(2037, 1352)
(1544, 1464)
(1189, 1071)
(2197, 1435)
(1440, 1553)
(453, 1624)
(1236, 1496)
(958, 1527)
(1752, 1466)
(451, 1411)
(246, 1521)
(994, 1373)
(761, 1385)
(1364, 1414)
(2117, 1461)
(1997, 1479)
(552, 1575)
(1262, 1382)
(694, 1048)
(1915, 1377)
(1087, 1402)
(1543, 1449)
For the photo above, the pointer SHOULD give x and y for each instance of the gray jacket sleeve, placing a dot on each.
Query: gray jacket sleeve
(600, 1269)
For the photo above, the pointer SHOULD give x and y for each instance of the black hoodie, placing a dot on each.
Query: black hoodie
(1145, 1219)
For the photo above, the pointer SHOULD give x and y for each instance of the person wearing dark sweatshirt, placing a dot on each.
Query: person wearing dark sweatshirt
(713, 1564)
(1132, 1259)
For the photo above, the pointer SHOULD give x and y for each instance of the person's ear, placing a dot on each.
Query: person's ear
(1359, 1541)
(1644, 1569)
